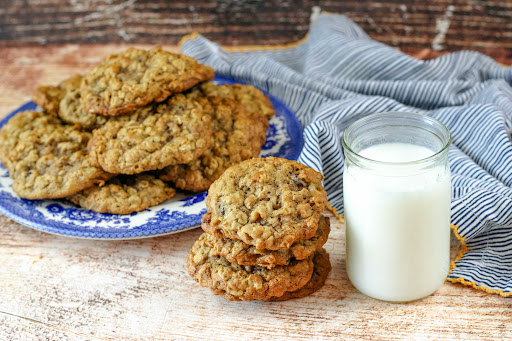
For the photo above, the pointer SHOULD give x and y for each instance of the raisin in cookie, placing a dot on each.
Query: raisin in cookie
(124, 194)
(269, 203)
(153, 137)
(244, 283)
(237, 135)
(134, 78)
(50, 161)
(241, 253)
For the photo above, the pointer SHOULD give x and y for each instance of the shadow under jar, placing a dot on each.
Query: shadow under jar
(396, 184)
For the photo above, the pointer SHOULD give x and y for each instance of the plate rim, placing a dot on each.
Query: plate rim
(293, 125)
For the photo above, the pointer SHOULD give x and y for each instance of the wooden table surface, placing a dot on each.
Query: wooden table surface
(411, 25)
(58, 288)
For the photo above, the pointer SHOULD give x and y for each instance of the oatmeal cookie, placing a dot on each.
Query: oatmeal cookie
(320, 272)
(134, 78)
(153, 137)
(269, 203)
(237, 135)
(245, 283)
(21, 123)
(241, 253)
(50, 161)
(71, 111)
(124, 194)
(252, 99)
(64, 100)
(49, 97)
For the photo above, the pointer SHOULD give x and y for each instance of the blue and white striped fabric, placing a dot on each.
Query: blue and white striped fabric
(338, 74)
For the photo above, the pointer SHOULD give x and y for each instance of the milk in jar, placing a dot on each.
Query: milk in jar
(397, 209)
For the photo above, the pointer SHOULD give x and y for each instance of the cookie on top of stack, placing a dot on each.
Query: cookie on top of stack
(115, 140)
(264, 232)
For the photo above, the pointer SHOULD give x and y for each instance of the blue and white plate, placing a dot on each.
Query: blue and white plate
(182, 212)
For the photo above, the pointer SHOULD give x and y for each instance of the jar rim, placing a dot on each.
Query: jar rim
(398, 114)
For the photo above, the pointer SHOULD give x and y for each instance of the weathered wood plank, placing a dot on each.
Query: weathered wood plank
(407, 24)
(140, 289)
(13, 327)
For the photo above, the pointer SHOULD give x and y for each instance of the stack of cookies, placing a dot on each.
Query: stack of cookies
(122, 137)
(264, 232)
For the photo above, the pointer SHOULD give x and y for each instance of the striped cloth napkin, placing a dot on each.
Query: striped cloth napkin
(338, 74)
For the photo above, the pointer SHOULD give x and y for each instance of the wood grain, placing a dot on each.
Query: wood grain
(58, 288)
(411, 25)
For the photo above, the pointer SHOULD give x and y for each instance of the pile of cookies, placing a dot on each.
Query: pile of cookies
(120, 138)
(264, 232)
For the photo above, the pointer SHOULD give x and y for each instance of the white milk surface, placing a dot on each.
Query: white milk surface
(398, 226)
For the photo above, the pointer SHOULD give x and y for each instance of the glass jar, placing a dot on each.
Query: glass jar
(396, 184)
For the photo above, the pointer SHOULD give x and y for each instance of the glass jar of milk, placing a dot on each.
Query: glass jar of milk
(396, 186)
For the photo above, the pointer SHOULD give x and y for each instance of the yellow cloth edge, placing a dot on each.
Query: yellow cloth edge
(244, 48)
(254, 47)
(333, 210)
(461, 280)
(188, 37)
